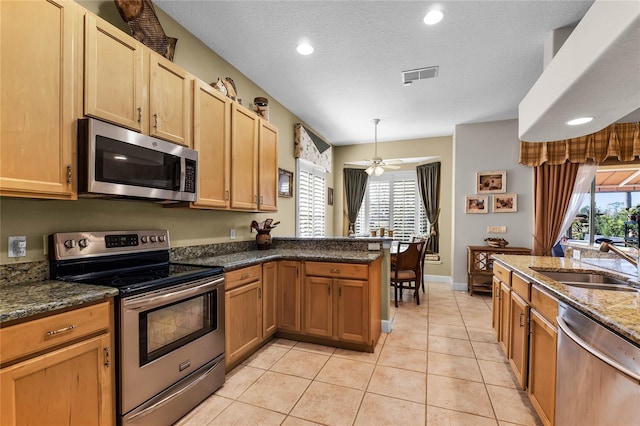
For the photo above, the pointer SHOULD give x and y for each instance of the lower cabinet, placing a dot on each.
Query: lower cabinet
(542, 354)
(72, 384)
(289, 296)
(269, 298)
(337, 302)
(518, 338)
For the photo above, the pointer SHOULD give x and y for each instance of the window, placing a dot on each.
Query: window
(312, 190)
(615, 198)
(392, 201)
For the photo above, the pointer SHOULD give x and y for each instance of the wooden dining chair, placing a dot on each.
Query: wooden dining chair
(405, 273)
(422, 256)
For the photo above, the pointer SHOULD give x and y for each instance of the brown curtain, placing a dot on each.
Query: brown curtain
(429, 187)
(553, 186)
(619, 140)
(355, 185)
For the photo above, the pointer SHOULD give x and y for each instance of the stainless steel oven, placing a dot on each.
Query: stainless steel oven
(169, 319)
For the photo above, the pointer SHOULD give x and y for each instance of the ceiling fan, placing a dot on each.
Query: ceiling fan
(377, 165)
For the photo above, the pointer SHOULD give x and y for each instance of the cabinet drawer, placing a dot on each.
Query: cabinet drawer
(337, 270)
(521, 286)
(33, 336)
(545, 304)
(243, 276)
(502, 273)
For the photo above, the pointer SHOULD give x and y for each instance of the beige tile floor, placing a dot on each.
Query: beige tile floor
(440, 365)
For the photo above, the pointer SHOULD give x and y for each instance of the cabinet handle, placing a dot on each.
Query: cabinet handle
(335, 270)
(155, 120)
(255, 197)
(69, 176)
(106, 357)
(244, 276)
(259, 293)
(139, 115)
(61, 330)
(226, 195)
(521, 316)
(261, 199)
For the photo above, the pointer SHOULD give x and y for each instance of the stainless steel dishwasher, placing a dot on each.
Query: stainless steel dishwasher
(598, 379)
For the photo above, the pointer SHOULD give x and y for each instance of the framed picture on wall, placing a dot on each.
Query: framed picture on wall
(505, 203)
(285, 183)
(491, 182)
(476, 204)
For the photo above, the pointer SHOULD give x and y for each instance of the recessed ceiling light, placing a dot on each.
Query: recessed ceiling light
(578, 121)
(305, 49)
(433, 17)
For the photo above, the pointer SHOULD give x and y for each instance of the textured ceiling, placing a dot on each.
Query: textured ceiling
(490, 53)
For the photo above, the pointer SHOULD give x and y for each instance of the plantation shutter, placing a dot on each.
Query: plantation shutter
(311, 202)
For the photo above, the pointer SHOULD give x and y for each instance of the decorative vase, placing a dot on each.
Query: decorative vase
(263, 239)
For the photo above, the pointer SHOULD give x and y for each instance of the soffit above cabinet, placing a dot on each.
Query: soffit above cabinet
(596, 74)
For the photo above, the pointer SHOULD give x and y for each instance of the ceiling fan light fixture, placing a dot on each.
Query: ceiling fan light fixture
(369, 170)
(378, 170)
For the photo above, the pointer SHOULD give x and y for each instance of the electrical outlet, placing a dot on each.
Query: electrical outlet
(576, 254)
(232, 234)
(17, 246)
(496, 229)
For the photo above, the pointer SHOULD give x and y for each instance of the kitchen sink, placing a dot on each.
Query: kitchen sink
(589, 280)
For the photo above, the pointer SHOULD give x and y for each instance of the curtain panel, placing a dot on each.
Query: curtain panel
(355, 185)
(620, 140)
(553, 187)
(428, 176)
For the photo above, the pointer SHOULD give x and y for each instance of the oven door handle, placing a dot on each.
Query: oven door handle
(145, 302)
(163, 401)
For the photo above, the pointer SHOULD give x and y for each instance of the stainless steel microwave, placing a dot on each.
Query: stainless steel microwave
(114, 162)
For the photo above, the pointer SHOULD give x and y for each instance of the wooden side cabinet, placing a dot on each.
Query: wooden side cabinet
(63, 374)
(480, 265)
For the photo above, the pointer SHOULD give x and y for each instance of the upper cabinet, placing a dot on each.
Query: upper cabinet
(267, 166)
(211, 138)
(244, 158)
(38, 52)
(128, 84)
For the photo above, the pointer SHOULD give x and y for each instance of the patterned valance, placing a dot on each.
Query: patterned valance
(310, 147)
(619, 140)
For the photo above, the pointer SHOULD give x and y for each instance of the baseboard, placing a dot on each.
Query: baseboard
(459, 287)
(438, 279)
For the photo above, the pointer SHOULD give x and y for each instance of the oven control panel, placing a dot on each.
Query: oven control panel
(70, 245)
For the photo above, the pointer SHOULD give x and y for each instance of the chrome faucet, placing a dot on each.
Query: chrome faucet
(605, 247)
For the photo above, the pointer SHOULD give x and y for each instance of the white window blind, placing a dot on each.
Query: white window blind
(392, 201)
(312, 190)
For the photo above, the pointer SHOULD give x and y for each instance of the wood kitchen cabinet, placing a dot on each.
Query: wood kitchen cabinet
(212, 140)
(289, 296)
(59, 369)
(267, 166)
(254, 161)
(39, 43)
(505, 316)
(339, 303)
(250, 310)
(519, 338)
(244, 158)
(542, 354)
(128, 84)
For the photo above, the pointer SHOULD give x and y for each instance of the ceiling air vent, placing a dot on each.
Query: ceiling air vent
(410, 76)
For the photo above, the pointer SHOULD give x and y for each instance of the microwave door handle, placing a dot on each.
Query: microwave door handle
(178, 174)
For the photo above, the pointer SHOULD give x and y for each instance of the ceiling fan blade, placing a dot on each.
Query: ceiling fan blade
(386, 166)
(395, 161)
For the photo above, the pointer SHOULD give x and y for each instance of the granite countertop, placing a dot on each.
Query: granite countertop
(618, 310)
(234, 261)
(23, 300)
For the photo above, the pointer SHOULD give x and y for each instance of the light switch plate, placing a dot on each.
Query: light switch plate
(496, 229)
(374, 246)
(232, 234)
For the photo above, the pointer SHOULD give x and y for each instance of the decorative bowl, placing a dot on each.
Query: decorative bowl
(496, 242)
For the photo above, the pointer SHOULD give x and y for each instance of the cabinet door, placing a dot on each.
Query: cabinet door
(211, 138)
(169, 101)
(495, 307)
(505, 305)
(542, 367)
(318, 306)
(518, 337)
(267, 166)
(269, 282)
(243, 320)
(353, 310)
(37, 100)
(289, 296)
(114, 75)
(72, 386)
(244, 158)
